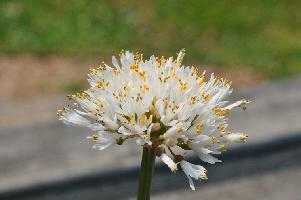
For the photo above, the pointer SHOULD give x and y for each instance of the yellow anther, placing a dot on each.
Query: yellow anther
(81, 95)
(137, 57)
(205, 96)
(214, 140)
(201, 82)
(221, 112)
(94, 71)
(143, 134)
(199, 128)
(144, 88)
(195, 72)
(244, 138)
(102, 67)
(160, 61)
(221, 127)
(125, 88)
(60, 113)
(99, 84)
(244, 104)
(121, 53)
(117, 72)
(180, 57)
(203, 177)
(183, 85)
(95, 138)
(132, 118)
(193, 100)
(166, 79)
(142, 75)
(143, 119)
(134, 68)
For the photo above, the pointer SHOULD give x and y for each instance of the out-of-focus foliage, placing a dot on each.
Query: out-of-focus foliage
(262, 34)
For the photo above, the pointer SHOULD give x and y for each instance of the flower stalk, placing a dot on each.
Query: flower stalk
(146, 173)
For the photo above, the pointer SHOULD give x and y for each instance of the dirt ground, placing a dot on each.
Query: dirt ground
(24, 77)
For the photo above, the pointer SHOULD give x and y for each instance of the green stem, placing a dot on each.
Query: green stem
(146, 173)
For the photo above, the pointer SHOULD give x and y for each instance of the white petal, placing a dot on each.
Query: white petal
(105, 140)
(169, 162)
(73, 118)
(203, 153)
(140, 141)
(96, 127)
(180, 57)
(191, 184)
(115, 62)
(235, 137)
(110, 123)
(195, 171)
(208, 158)
(242, 103)
(124, 131)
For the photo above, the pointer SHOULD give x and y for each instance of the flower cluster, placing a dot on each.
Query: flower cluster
(162, 104)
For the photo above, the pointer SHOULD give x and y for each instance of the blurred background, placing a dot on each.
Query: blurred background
(47, 48)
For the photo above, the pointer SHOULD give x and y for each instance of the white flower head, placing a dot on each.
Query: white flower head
(161, 104)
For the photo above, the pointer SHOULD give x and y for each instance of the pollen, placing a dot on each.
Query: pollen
(199, 128)
(117, 72)
(135, 68)
(193, 100)
(121, 53)
(205, 96)
(144, 88)
(94, 71)
(244, 138)
(195, 72)
(203, 177)
(214, 140)
(221, 112)
(94, 137)
(125, 88)
(142, 75)
(137, 57)
(143, 119)
(60, 113)
(166, 79)
(183, 85)
(201, 82)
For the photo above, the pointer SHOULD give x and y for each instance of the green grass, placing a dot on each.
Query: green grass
(260, 34)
